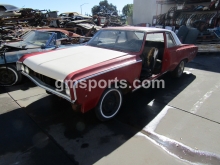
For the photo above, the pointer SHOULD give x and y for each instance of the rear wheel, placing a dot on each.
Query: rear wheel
(109, 104)
(9, 75)
(179, 70)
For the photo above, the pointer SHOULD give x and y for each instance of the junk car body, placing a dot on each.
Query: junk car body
(7, 10)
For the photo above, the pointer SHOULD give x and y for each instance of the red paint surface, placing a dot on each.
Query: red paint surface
(128, 73)
(68, 33)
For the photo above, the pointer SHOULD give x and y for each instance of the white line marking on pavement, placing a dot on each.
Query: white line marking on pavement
(175, 148)
(199, 103)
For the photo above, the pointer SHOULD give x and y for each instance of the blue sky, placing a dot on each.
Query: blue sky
(64, 5)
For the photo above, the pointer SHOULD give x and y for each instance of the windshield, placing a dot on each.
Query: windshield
(124, 40)
(37, 38)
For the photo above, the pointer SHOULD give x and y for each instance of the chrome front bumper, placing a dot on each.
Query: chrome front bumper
(46, 87)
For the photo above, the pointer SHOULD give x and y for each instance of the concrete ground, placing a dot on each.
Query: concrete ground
(175, 125)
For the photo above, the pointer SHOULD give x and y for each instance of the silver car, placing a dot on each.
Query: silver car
(7, 10)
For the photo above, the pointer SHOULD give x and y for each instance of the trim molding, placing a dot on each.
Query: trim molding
(100, 73)
(48, 89)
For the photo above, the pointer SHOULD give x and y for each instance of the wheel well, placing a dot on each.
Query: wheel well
(13, 63)
(126, 86)
(186, 60)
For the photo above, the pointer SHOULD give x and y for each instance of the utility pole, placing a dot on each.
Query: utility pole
(82, 5)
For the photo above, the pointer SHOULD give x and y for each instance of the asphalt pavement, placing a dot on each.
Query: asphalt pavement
(175, 125)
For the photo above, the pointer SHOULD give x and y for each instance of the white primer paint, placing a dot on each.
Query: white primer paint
(60, 63)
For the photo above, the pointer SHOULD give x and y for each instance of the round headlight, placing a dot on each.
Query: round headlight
(67, 90)
(22, 67)
(27, 70)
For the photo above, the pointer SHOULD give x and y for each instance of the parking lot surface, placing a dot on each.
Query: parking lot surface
(175, 125)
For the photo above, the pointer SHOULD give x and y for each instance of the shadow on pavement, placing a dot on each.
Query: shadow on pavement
(142, 106)
(23, 142)
(206, 62)
(83, 138)
(26, 84)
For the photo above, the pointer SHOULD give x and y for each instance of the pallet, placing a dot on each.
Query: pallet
(207, 42)
(208, 48)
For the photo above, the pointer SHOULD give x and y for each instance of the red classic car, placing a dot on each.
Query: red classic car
(96, 75)
(61, 33)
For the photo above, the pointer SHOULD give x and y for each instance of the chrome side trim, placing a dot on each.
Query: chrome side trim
(100, 73)
(17, 65)
(146, 83)
(48, 89)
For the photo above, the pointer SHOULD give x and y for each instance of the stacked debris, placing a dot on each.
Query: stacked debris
(82, 27)
(67, 17)
(14, 21)
(108, 19)
(202, 15)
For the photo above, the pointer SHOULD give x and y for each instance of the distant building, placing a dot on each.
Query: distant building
(144, 10)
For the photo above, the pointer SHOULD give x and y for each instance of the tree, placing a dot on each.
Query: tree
(104, 7)
(128, 10)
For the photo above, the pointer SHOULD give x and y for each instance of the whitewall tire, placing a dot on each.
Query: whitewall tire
(109, 104)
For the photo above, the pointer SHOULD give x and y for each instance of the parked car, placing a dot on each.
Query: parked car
(68, 14)
(33, 41)
(60, 32)
(126, 53)
(7, 10)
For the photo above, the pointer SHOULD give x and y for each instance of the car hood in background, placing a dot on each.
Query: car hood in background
(22, 45)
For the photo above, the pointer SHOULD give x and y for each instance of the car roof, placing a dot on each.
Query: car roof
(54, 29)
(70, 13)
(68, 33)
(9, 7)
(136, 28)
(5, 4)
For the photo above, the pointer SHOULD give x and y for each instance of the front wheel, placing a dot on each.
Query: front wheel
(179, 70)
(109, 104)
(9, 75)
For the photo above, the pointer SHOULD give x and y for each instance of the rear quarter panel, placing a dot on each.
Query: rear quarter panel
(185, 52)
(173, 56)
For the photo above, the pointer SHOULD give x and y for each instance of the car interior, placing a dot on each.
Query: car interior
(152, 55)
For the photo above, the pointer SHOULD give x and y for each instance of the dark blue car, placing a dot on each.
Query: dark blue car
(33, 41)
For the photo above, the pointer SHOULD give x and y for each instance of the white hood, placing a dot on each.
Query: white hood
(60, 63)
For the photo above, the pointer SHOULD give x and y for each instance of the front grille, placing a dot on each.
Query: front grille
(45, 79)
(49, 82)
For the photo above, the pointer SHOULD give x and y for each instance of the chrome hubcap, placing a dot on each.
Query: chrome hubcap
(181, 68)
